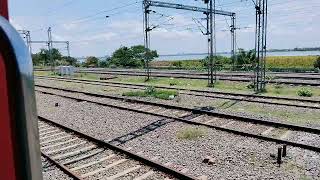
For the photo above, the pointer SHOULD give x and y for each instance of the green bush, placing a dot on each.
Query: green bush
(177, 64)
(317, 63)
(304, 92)
(250, 86)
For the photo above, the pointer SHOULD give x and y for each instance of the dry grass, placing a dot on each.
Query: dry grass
(291, 61)
(191, 133)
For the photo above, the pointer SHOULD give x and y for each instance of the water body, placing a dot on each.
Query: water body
(201, 56)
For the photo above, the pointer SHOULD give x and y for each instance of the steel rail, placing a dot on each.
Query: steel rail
(200, 91)
(202, 78)
(101, 83)
(276, 124)
(196, 111)
(62, 167)
(151, 163)
(204, 74)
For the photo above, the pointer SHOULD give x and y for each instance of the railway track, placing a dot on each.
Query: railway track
(241, 78)
(302, 76)
(272, 100)
(84, 157)
(314, 76)
(277, 132)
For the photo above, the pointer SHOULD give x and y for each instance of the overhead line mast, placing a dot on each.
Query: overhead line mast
(209, 12)
(261, 45)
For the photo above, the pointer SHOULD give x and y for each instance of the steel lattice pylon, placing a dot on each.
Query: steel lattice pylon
(210, 12)
(260, 45)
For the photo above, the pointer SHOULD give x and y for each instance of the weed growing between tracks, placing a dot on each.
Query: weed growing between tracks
(191, 133)
(224, 86)
(152, 92)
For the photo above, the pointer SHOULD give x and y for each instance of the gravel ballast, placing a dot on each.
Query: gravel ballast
(51, 172)
(235, 157)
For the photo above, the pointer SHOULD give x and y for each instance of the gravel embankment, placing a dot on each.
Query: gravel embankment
(235, 157)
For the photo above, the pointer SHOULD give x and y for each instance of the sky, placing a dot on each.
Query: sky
(291, 23)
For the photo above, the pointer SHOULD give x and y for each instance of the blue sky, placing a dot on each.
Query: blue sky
(292, 23)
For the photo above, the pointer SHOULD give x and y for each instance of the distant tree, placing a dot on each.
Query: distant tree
(132, 57)
(91, 62)
(244, 57)
(56, 55)
(70, 60)
(219, 60)
(105, 63)
(124, 57)
(37, 60)
(43, 58)
(149, 55)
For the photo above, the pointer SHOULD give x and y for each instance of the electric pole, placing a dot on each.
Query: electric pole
(233, 29)
(68, 48)
(50, 49)
(260, 45)
(147, 29)
(212, 4)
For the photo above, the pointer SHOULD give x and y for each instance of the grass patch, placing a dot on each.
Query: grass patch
(277, 63)
(296, 117)
(225, 86)
(44, 73)
(191, 133)
(152, 92)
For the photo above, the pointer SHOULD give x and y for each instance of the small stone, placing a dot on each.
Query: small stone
(208, 160)
(171, 97)
(273, 155)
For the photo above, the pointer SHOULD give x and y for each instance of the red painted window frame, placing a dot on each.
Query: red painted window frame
(7, 157)
(4, 9)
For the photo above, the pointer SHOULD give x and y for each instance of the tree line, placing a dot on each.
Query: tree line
(134, 56)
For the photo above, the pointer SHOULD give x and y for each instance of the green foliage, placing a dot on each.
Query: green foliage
(177, 64)
(316, 64)
(191, 133)
(250, 86)
(218, 60)
(104, 63)
(70, 60)
(305, 92)
(152, 92)
(245, 59)
(132, 57)
(43, 58)
(91, 62)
